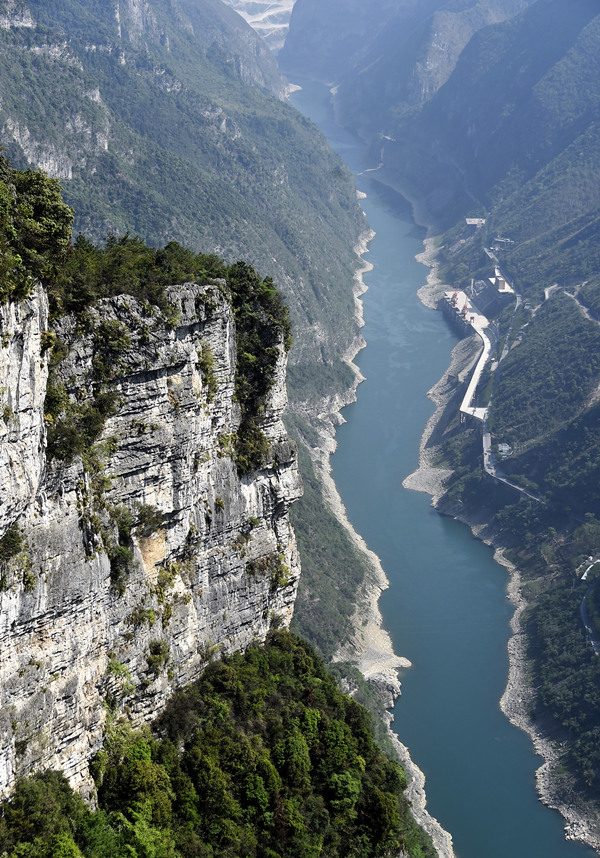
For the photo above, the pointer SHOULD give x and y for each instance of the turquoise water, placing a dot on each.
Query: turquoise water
(446, 607)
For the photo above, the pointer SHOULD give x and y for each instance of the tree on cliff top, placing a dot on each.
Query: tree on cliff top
(35, 229)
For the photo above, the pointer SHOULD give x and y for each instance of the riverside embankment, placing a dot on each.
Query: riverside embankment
(517, 701)
(370, 646)
(446, 608)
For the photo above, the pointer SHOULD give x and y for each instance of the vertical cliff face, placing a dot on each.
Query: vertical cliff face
(270, 18)
(23, 375)
(125, 566)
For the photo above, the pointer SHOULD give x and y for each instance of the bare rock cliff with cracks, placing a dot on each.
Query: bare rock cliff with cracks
(134, 546)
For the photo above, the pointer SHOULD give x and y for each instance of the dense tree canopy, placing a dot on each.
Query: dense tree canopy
(35, 228)
(263, 756)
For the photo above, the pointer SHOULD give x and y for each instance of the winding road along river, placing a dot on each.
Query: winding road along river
(446, 607)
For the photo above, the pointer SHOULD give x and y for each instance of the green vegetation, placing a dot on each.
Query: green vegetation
(35, 229)
(158, 656)
(125, 266)
(72, 427)
(148, 519)
(219, 163)
(263, 756)
(206, 362)
(262, 322)
(568, 673)
(11, 543)
(15, 557)
(547, 379)
(332, 571)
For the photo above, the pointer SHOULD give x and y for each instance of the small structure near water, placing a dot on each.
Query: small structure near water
(459, 310)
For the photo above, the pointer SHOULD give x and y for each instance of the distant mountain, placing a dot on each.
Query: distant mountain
(384, 57)
(325, 39)
(515, 133)
(165, 118)
(468, 116)
(270, 18)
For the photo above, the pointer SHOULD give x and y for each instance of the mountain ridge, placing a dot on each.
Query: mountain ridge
(229, 168)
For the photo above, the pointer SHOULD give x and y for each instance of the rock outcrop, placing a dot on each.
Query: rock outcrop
(23, 376)
(270, 18)
(125, 567)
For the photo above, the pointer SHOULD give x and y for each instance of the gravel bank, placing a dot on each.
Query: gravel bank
(370, 647)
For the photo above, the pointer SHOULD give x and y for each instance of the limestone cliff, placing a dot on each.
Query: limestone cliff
(124, 569)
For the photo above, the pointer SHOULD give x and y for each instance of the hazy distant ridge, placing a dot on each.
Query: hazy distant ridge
(269, 19)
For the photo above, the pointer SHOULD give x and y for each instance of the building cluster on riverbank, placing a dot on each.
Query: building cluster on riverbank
(459, 308)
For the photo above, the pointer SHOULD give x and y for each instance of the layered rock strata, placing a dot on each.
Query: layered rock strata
(126, 567)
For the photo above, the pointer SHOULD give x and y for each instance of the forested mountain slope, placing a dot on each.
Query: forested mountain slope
(523, 93)
(164, 119)
(263, 757)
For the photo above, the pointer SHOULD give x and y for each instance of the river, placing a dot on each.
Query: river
(446, 608)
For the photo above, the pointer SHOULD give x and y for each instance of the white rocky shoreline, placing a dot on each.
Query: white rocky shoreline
(517, 701)
(371, 648)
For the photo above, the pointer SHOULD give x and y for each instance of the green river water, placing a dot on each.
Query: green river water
(446, 608)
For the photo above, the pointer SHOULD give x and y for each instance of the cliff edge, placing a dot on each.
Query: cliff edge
(129, 558)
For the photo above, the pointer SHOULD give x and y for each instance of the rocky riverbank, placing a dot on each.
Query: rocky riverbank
(370, 648)
(518, 699)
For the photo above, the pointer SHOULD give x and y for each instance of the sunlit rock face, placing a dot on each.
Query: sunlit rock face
(213, 567)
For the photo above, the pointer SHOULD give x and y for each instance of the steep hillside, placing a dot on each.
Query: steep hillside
(385, 58)
(324, 39)
(521, 95)
(163, 119)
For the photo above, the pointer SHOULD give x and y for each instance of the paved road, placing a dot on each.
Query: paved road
(489, 460)
(491, 468)
(583, 308)
(466, 407)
